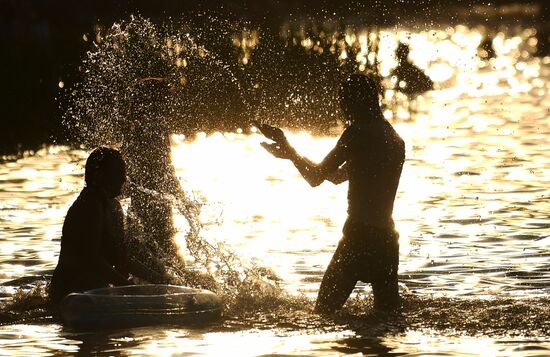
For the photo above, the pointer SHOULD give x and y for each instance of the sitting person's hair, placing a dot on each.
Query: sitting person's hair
(103, 161)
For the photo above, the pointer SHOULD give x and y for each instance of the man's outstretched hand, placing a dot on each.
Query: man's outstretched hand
(281, 151)
(271, 132)
(280, 148)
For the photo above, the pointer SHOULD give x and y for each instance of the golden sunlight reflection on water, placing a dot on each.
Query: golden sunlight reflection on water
(43, 339)
(471, 140)
(472, 211)
(457, 197)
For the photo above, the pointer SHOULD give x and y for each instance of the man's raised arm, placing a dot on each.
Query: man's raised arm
(313, 173)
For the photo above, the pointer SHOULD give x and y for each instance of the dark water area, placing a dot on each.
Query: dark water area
(44, 43)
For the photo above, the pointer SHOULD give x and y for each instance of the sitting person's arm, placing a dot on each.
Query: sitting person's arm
(126, 264)
(87, 224)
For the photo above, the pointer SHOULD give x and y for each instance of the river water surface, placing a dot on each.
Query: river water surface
(473, 212)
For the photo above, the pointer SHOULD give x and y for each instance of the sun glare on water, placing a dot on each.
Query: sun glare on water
(258, 205)
(471, 209)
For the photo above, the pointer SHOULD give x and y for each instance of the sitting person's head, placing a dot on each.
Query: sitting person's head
(105, 169)
(359, 95)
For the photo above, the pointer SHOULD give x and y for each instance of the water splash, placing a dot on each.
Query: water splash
(98, 106)
(25, 300)
(140, 83)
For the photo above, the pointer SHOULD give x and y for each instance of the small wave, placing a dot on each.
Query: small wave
(28, 302)
(488, 317)
(260, 304)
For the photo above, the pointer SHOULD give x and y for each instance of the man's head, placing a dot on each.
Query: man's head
(106, 170)
(359, 94)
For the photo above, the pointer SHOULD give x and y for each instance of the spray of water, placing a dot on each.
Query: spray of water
(140, 83)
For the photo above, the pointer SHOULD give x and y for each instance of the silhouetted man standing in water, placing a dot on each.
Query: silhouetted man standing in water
(370, 154)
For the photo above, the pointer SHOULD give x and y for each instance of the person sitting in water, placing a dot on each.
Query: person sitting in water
(370, 154)
(93, 253)
(410, 80)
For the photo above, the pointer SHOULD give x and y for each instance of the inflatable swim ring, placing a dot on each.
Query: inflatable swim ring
(139, 305)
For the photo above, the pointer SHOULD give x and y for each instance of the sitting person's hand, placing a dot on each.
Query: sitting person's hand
(271, 132)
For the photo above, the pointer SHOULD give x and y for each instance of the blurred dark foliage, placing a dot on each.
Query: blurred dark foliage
(42, 43)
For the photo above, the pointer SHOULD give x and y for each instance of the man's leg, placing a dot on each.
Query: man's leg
(385, 287)
(386, 294)
(338, 282)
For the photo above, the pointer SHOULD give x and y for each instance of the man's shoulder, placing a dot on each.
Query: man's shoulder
(381, 128)
(395, 139)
